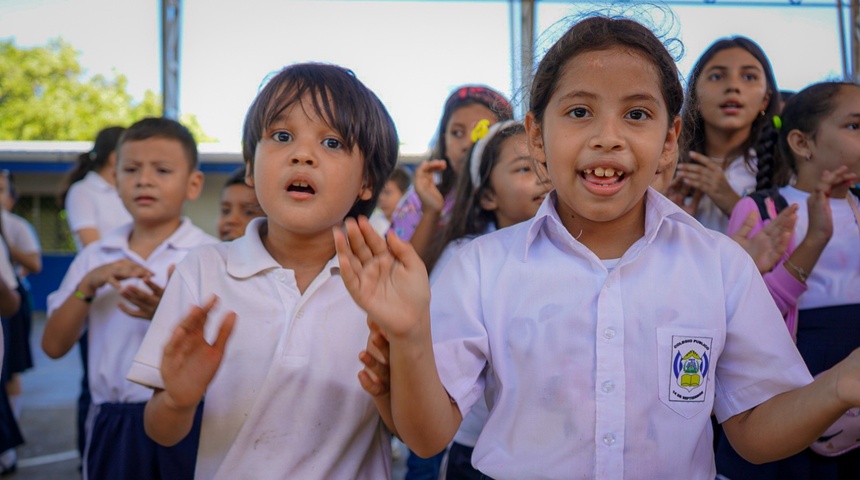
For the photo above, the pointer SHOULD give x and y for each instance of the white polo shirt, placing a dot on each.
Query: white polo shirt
(114, 336)
(19, 232)
(93, 203)
(286, 402)
(7, 273)
(607, 374)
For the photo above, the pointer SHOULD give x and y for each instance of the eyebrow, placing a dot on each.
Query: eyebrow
(743, 67)
(583, 94)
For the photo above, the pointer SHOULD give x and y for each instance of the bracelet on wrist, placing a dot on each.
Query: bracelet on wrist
(803, 274)
(80, 296)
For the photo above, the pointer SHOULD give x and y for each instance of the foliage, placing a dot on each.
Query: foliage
(45, 94)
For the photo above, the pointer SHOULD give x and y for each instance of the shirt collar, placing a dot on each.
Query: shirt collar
(247, 256)
(658, 210)
(96, 180)
(184, 237)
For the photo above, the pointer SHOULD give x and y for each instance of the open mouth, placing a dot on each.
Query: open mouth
(301, 187)
(603, 176)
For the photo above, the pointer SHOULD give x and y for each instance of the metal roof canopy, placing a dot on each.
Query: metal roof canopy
(522, 40)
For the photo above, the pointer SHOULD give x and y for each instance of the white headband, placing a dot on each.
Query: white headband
(478, 151)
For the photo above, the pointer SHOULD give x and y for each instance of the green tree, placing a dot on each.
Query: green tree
(45, 95)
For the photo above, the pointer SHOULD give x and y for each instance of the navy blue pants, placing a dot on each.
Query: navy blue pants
(118, 447)
(460, 464)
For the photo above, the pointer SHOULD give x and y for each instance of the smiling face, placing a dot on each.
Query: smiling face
(604, 136)
(154, 179)
(238, 207)
(458, 132)
(731, 90)
(305, 178)
(516, 191)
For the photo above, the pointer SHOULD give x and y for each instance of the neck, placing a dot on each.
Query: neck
(108, 174)
(145, 238)
(807, 181)
(306, 255)
(719, 143)
(611, 239)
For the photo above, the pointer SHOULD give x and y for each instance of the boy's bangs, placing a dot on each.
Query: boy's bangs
(321, 104)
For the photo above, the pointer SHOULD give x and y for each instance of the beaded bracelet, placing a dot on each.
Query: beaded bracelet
(80, 295)
(803, 274)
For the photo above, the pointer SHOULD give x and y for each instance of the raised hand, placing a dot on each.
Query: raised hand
(425, 185)
(189, 362)
(818, 203)
(387, 280)
(679, 191)
(709, 178)
(146, 302)
(768, 245)
(375, 377)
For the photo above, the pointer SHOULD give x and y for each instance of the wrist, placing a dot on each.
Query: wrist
(85, 292)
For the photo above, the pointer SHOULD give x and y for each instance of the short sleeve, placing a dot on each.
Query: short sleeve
(80, 208)
(76, 271)
(7, 273)
(460, 340)
(175, 304)
(21, 234)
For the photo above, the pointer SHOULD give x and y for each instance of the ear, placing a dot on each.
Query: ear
(766, 100)
(488, 200)
(799, 143)
(366, 192)
(249, 174)
(535, 139)
(194, 185)
(669, 155)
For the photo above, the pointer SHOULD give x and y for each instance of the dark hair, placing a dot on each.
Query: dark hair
(597, 33)
(344, 103)
(94, 160)
(162, 127)
(401, 178)
(804, 112)
(467, 215)
(236, 178)
(462, 97)
(693, 131)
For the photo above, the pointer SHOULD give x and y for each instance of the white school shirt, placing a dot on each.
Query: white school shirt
(113, 335)
(835, 279)
(286, 402)
(741, 178)
(609, 375)
(7, 272)
(93, 203)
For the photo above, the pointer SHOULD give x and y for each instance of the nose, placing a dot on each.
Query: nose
(606, 136)
(733, 83)
(302, 154)
(145, 175)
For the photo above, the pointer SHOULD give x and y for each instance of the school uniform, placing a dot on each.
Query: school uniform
(116, 444)
(93, 203)
(19, 233)
(607, 369)
(741, 177)
(10, 434)
(285, 402)
(823, 313)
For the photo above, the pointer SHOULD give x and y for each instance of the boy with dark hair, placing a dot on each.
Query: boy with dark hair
(156, 173)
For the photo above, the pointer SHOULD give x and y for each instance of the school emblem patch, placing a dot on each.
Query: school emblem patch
(691, 363)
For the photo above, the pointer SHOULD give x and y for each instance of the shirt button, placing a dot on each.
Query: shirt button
(609, 439)
(280, 276)
(609, 333)
(607, 386)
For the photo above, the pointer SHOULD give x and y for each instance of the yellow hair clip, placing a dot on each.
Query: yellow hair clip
(480, 130)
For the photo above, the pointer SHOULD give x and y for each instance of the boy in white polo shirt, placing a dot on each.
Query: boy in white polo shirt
(282, 399)
(156, 173)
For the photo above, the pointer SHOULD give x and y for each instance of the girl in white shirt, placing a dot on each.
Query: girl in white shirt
(605, 331)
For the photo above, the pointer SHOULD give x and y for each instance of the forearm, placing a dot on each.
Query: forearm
(804, 257)
(65, 325)
(796, 418)
(10, 301)
(164, 424)
(424, 414)
(32, 261)
(424, 232)
(383, 405)
(726, 201)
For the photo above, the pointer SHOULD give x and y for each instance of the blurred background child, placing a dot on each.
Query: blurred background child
(239, 206)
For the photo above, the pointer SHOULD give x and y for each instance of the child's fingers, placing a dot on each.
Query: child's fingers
(133, 313)
(345, 260)
(404, 252)
(375, 242)
(746, 227)
(369, 385)
(196, 318)
(224, 331)
(157, 290)
(357, 242)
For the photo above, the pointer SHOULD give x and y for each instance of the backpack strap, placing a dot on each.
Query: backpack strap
(855, 191)
(769, 202)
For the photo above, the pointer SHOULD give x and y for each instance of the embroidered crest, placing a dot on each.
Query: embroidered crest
(690, 367)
